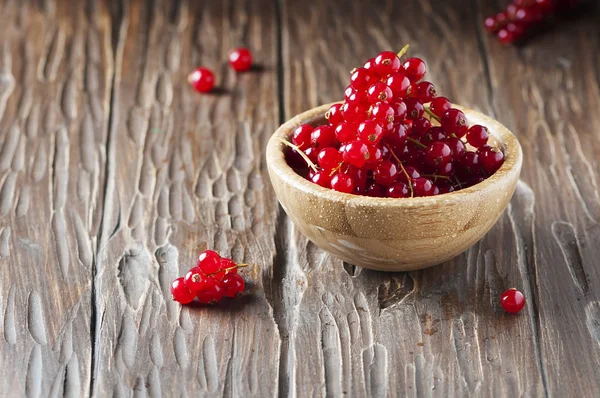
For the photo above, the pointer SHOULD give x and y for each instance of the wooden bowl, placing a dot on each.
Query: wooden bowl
(389, 234)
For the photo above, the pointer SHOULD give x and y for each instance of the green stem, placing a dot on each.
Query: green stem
(417, 143)
(403, 51)
(412, 192)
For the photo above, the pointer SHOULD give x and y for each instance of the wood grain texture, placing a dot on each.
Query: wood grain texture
(54, 73)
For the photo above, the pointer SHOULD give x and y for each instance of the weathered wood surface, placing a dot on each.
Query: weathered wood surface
(114, 174)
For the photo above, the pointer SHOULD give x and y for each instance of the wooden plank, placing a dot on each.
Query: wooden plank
(555, 80)
(437, 332)
(54, 85)
(186, 172)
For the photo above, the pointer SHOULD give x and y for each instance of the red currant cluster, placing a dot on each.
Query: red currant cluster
(203, 80)
(521, 16)
(212, 279)
(393, 137)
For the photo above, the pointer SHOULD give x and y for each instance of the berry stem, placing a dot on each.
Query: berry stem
(432, 115)
(336, 169)
(229, 269)
(435, 176)
(403, 51)
(417, 143)
(412, 192)
(300, 152)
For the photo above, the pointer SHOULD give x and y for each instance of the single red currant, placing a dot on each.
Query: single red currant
(370, 66)
(457, 147)
(375, 157)
(180, 293)
(202, 80)
(512, 301)
(228, 266)
(414, 108)
(356, 153)
(193, 278)
(437, 154)
(385, 173)
(470, 163)
(302, 135)
(423, 187)
(358, 175)
(370, 132)
(400, 110)
(415, 69)
(399, 84)
(355, 111)
(387, 62)
(412, 172)
(329, 158)
(345, 131)
(446, 169)
(420, 127)
(397, 136)
(334, 114)
(425, 92)
(379, 92)
(342, 183)
(361, 79)
(321, 178)
(491, 159)
(375, 190)
(477, 135)
(323, 136)
(454, 121)
(312, 153)
(233, 284)
(240, 59)
(209, 262)
(383, 113)
(211, 291)
(439, 106)
(398, 190)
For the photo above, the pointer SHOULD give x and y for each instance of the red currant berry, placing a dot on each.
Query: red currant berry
(312, 153)
(412, 172)
(209, 262)
(233, 284)
(375, 157)
(193, 278)
(323, 136)
(375, 190)
(439, 106)
(342, 183)
(398, 190)
(361, 79)
(370, 66)
(345, 131)
(370, 132)
(358, 175)
(415, 69)
(420, 127)
(512, 301)
(491, 159)
(414, 108)
(398, 135)
(470, 163)
(386, 63)
(383, 113)
(438, 153)
(349, 91)
(334, 114)
(425, 92)
(202, 80)
(356, 153)
(399, 84)
(423, 187)
(354, 111)
(329, 158)
(228, 266)
(400, 110)
(211, 291)
(477, 135)
(457, 147)
(385, 173)
(359, 97)
(180, 293)
(446, 169)
(301, 136)
(321, 178)
(240, 59)
(435, 133)
(454, 121)
(379, 92)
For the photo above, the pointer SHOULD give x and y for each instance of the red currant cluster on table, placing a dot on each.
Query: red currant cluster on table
(521, 16)
(212, 279)
(393, 137)
(203, 79)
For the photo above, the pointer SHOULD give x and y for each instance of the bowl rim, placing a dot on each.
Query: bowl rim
(510, 146)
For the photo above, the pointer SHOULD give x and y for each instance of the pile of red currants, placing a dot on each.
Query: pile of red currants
(393, 137)
(521, 16)
(213, 278)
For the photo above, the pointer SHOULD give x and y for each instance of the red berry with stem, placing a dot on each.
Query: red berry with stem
(399, 84)
(323, 136)
(512, 301)
(356, 153)
(379, 92)
(354, 111)
(383, 113)
(193, 278)
(361, 79)
(345, 131)
(370, 132)
(209, 262)
(437, 154)
(387, 62)
(491, 159)
(334, 114)
(322, 178)
(439, 106)
(342, 183)
(233, 284)
(423, 186)
(180, 293)
(202, 80)
(211, 291)
(240, 59)
(228, 266)
(415, 69)
(386, 173)
(477, 135)
(454, 121)
(398, 190)
(414, 108)
(329, 158)
(312, 153)
(302, 135)
(425, 92)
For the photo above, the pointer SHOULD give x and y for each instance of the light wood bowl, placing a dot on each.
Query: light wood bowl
(394, 234)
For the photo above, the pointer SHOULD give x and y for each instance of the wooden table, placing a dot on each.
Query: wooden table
(114, 174)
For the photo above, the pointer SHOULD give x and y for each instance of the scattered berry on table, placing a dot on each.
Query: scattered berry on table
(512, 301)
(202, 80)
(240, 59)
